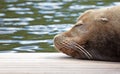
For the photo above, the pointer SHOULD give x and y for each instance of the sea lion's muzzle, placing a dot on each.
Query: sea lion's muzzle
(70, 47)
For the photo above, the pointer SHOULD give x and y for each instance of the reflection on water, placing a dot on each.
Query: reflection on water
(30, 25)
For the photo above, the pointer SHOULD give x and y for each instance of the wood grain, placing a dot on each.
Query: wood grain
(53, 63)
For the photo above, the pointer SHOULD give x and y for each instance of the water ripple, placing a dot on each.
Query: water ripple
(26, 12)
(116, 3)
(2, 14)
(80, 7)
(48, 6)
(18, 19)
(30, 25)
(27, 48)
(49, 29)
(11, 1)
(6, 30)
(16, 23)
(47, 16)
(18, 9)
(26, 41)
(46, 12)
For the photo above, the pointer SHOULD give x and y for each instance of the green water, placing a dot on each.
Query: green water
(30, 25)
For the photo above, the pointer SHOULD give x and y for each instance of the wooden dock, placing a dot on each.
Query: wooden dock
(53, 63)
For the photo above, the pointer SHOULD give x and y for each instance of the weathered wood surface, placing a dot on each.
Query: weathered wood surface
(53, 63)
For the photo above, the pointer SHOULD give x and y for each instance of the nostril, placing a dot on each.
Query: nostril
(59, 37)
(56, 37)
(57, 41)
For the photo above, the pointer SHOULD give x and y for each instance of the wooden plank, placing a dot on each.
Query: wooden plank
(53, 63)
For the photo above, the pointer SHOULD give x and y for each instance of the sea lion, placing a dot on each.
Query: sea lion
(95, 36)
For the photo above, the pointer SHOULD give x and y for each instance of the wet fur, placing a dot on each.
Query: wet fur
(97, 37)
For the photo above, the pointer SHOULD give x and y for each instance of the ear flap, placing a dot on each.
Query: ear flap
(103, 19)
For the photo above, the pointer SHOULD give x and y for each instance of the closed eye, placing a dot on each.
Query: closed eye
(78, 25)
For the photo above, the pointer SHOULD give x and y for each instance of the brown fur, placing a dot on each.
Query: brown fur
(96, 35)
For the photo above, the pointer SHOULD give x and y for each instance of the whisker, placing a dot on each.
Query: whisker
(86, 52)
(73, 45)
(81, 49)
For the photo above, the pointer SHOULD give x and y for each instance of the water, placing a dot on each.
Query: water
(30, 25)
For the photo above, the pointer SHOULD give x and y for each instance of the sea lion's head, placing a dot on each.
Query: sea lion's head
(96, 35)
